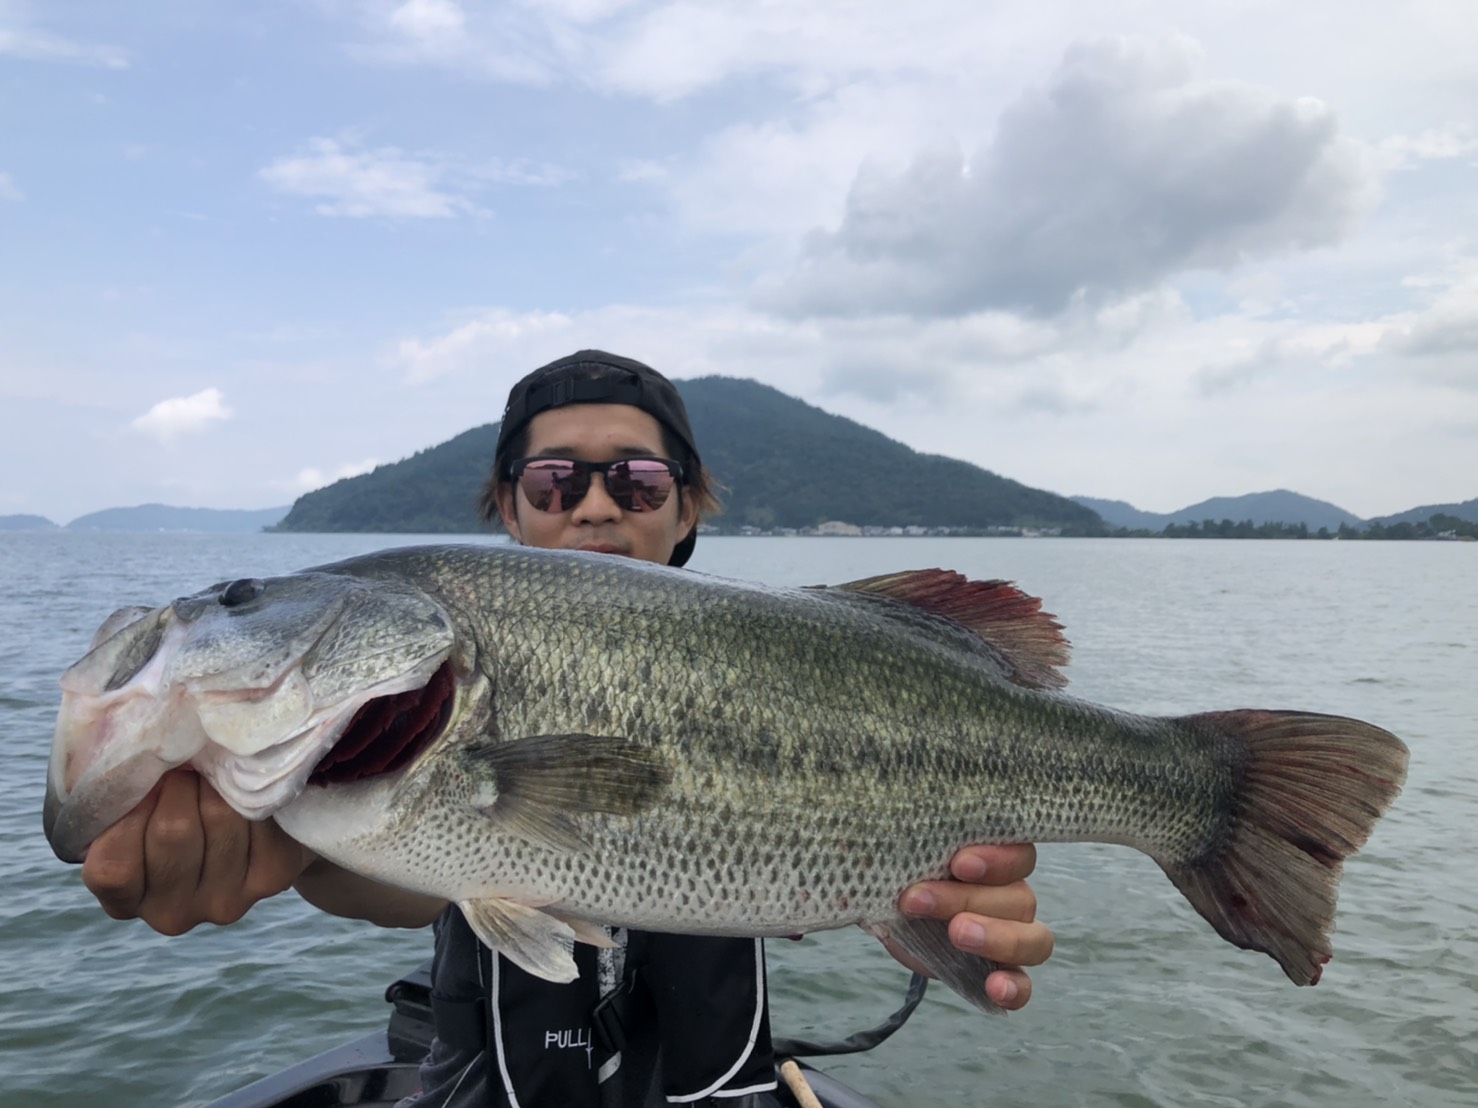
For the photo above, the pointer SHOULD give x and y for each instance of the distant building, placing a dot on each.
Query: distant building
(837, 527)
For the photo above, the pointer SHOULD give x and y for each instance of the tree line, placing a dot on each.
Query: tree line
(1438, 526)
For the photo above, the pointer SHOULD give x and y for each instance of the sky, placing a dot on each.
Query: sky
(1135, 249)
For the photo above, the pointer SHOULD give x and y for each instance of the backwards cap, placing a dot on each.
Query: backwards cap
(595, 377)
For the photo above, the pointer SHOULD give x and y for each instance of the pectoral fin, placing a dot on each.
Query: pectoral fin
(539, 785)
(531, 939)
(927, 940)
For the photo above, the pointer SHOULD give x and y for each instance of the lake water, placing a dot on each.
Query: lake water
(1142, 1005)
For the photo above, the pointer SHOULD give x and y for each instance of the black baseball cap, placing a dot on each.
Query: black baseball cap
(596, 377)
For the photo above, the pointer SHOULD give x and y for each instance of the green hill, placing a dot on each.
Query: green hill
(432, 492)
(782, 464)
(786, 463)
(1277, 506)
(26, 523)
(1467, 510)
(165, 517)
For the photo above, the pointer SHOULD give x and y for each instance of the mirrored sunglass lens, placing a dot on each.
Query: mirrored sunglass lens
(639, 486)
(555, 485)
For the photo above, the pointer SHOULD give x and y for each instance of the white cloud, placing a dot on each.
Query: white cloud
(500, 345)
(1286, 350)
(580, 11)
(1433, 144)
(183, 415)
(1448, 326)
(1122, 173)
(467, 345)
(670, 50)
(354, 181)
(9, 190)
(521, 172)
(676, 49)
(786, 174)
(429, 19)
(310, 477)
(351, 181)
(20, 41)
(992, 360)
(504, 42)
(665, 50)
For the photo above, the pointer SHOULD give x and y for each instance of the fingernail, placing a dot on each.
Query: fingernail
(919, 902)
(1007, 992)
(969, 868)
(971, 935)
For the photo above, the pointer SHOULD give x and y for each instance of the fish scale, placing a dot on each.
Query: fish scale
(851, 733)
(638, 746)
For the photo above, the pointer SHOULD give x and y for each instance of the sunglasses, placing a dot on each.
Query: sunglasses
(558, 484)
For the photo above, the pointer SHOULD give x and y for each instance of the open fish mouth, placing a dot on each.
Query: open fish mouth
(389, 733)
(174, 687)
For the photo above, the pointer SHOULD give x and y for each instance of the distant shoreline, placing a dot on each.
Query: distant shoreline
(1398, 533)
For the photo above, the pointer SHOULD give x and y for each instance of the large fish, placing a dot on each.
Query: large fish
(556, 741)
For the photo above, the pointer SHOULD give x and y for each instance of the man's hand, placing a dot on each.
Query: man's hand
(184, 857)
(991, 912)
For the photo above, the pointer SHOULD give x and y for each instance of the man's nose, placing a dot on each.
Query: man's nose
(597, 505)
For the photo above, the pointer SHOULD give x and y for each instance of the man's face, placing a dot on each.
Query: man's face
(598, 433)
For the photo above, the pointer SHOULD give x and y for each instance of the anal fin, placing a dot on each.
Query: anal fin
(585, 931)
(927, 940)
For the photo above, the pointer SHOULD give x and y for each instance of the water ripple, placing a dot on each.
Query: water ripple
(1142, 1006)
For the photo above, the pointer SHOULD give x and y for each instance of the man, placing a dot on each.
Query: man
(595, 453)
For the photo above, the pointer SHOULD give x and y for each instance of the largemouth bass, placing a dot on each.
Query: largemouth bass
(557, 741)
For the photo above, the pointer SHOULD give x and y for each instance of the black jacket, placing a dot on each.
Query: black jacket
(674, 1018)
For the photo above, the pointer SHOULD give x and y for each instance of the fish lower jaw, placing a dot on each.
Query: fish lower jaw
(106, 794)
(257, 785)
(261, 783)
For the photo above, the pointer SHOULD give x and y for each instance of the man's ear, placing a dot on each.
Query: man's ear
(508, 510)
(688, 512)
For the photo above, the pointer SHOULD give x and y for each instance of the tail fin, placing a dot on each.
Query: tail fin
(1313, 787)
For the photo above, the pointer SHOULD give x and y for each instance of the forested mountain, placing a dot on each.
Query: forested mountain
(788, 464)
(432, 492)
(783, 464)
(1467, 510)
(1121, 513)
(1277, 506)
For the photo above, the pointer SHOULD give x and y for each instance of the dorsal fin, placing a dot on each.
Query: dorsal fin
(1029, 640)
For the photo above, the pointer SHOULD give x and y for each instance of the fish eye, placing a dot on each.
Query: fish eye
(242, 591)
